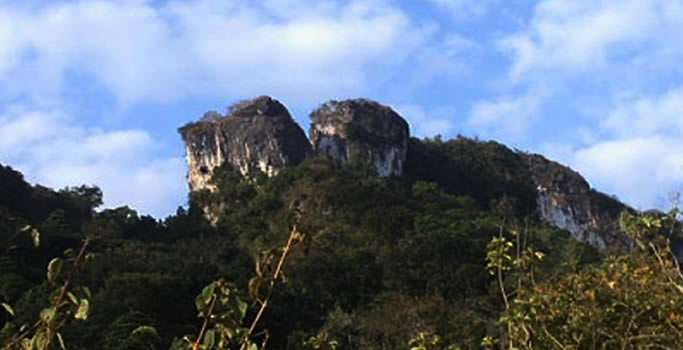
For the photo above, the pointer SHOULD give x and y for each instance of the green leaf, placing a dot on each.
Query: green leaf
(82, 312)
(72, 297)
(209, 339)
(253, 347)
(204, 298)
(229, 333)
(87, 292)
(26, 344)
(61, 341)
(241, 307)
(48, 314)
(54, 268)
(39, 340)
(70, 253)
(7, 308)
(36, 237)
(145, 331)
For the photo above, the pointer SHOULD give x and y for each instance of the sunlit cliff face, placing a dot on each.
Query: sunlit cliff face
(566, 201)
(257, 135)
(361, 130)
(260, 135)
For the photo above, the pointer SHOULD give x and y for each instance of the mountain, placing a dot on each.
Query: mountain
(390, 240)
(259, 135)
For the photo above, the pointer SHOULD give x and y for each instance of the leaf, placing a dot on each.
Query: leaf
(54, 268)
(238, 308)
(242, 307)
(209, 339)
(72, 297)
(26, 344)
(48, 314)
(7, 308)
(36, 237)
(229, 333)
(253, 346)
(87, 292)
(61, 341)
(145, 331)
(82, 312)
(70, 253)
(39, 340)
(204, 298)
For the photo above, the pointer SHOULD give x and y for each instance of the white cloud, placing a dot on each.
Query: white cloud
(641, 170)
(586, 54)
(53, 150)
(301, 49)
(648, 115)
(575, 36)
(640, 153)
(507, 117)
(426, 123)
(449, 58)
(142, 51)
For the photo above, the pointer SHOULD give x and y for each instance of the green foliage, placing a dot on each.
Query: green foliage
(629, 301)
(132, 330)
(223, 311)
(67, 302)
(427, 341)
(383, 261)
(498, 255)
(321, 341)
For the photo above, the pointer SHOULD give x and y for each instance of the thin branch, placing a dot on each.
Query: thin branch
(206, 322)
(65, 287)
(276, 275)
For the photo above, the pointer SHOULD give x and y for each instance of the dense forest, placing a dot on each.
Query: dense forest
(452, 255)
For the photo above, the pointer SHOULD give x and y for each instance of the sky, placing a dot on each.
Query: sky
(93, 91)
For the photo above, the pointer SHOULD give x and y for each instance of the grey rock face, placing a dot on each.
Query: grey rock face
(256, 135)
(566, 200)
(361, 130)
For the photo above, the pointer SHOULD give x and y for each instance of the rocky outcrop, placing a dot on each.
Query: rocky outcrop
(256, 135)
(361, 130)
(566, 200)
(260, 135)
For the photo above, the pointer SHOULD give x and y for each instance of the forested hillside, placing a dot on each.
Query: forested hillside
(452, 255)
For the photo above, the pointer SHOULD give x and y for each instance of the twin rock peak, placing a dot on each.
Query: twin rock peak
(260, 135)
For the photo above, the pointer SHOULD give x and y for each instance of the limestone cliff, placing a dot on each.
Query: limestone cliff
(256, 135)
(566, 200)
(260, 135)
(361, 130)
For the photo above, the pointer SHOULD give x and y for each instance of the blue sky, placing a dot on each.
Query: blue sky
(93, 91)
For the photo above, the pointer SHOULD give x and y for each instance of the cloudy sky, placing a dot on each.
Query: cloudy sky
(93, 91)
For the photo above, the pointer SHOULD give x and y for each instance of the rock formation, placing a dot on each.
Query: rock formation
(260, 135)
(256, 135)
(361, 130)
(566, 200)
